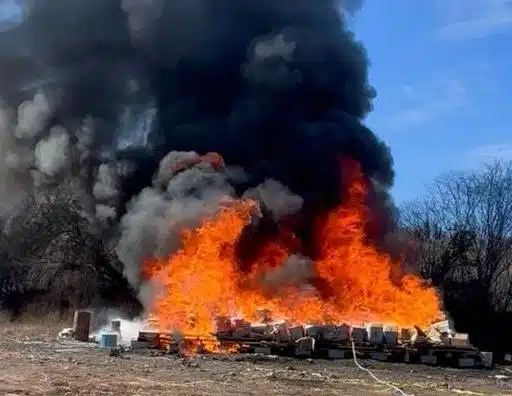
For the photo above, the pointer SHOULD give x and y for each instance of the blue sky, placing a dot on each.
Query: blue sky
(442, 70)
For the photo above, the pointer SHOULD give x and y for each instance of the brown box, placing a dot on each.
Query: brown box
(81, 325)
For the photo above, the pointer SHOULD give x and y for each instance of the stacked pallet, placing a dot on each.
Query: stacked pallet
(438, 346)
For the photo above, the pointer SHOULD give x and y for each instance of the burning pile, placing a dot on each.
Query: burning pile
(286, 217)
(348, 281)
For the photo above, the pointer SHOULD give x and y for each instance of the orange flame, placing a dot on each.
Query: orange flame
(353, 285)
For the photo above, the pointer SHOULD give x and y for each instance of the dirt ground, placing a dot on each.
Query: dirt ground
(34, 362)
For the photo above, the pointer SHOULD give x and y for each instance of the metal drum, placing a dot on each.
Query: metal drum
(81, 325)
(108, 340)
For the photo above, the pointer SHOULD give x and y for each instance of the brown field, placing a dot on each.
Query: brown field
(34, 362)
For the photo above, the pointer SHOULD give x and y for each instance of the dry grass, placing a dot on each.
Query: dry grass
(34, 362)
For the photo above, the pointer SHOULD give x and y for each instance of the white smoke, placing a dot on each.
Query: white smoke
(106, 186)
(36, 155)
(32, 116)
(52, 153)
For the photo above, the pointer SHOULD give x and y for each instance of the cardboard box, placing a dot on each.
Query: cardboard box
(460, 340)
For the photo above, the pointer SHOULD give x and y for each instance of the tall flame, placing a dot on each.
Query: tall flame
(352, 279)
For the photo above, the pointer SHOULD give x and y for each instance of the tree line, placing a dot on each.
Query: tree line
(462, 234)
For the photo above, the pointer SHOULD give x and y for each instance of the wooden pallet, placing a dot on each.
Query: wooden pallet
(439, 355)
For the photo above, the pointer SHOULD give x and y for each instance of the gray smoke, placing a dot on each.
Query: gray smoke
(113, 95)
(184, 192)
(276, 198)
(296, 271)
(39, 155)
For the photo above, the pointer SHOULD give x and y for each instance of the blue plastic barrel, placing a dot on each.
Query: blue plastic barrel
(108, 340)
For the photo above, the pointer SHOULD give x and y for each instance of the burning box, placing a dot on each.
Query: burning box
(330, 332)
(151, 337)
(297, 332)
(327, 332)
(444, 326)
(358, 334)
(152, 322)
(258, 331)
(148, 336)
(282, 333)
(223, 325)
(406, 335)
(305, 346)
(434, 336)
(390, 335)
(313, 331)
(264, 315)
(341, 333)
(375, 334)
(242, 328)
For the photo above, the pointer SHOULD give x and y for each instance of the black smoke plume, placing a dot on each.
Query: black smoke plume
(278, 88)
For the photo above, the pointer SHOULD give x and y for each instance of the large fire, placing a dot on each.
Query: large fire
(352, 282)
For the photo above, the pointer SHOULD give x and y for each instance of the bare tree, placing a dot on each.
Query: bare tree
(463, 231)
(50, 254)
